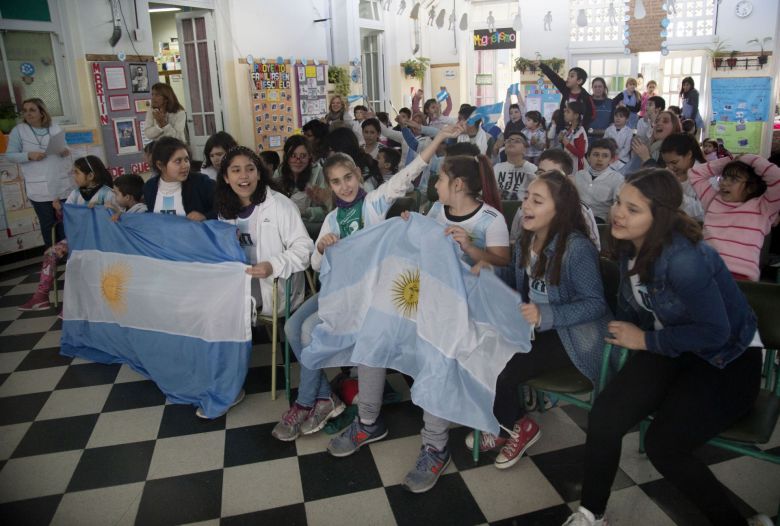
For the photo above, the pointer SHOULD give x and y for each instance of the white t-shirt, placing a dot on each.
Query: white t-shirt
(486, 226)
(513, 180)
(641, 295)
(209, 171)
(537, 287)
(168, 199)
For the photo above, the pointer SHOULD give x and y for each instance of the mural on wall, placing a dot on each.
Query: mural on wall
(740, 109)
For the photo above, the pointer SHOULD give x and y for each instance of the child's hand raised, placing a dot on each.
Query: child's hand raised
(261, 270)
(326, 241)
(452, 130)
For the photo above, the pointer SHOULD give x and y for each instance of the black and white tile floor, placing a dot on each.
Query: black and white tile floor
(84, 443)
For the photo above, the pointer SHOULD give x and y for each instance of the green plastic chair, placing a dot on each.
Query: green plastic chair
(758, 425)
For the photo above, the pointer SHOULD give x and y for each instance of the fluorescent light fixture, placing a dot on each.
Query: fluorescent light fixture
(164, 9)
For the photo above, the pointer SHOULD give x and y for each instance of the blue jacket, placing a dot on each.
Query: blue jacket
(577, 309)
(696, 300)
(197, 194)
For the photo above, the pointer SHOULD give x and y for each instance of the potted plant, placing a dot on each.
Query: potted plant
(718, 52)
(416, 67)
(8, 115)
(523, 64)
(732, 60)
(339, 77)
(555, 63)
(762, 58)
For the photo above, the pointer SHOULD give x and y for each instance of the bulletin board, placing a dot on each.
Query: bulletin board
(542, 97)
(311, 91)
(123, 95)
(740, 109)
(273, 105)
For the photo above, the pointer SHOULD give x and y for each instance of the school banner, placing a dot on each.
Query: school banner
(740, 109)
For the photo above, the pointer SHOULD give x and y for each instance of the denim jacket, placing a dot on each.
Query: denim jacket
(577, 308)
(696, 300)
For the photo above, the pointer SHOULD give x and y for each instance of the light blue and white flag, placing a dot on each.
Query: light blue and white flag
(442, 95)
(355, 98)
(397, 295)
(489, 114)
(166, 295)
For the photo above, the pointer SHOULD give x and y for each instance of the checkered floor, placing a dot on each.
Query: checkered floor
(85, 443)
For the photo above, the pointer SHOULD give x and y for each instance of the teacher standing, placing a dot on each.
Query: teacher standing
(166, 117)
(47, 179)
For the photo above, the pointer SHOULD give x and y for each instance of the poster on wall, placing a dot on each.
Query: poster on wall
(19, 228)
(542, 97)
(740, 109)
(272, 104)
(311, 91)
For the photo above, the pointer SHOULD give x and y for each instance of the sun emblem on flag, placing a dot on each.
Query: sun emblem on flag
(113, 285)
(406, 292)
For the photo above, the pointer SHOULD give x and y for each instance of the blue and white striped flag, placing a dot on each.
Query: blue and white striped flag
(397, 295)
(442, 96)
(489, 114)
(166, 295)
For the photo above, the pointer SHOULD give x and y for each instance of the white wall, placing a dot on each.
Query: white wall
(94, 26)
(737, 31)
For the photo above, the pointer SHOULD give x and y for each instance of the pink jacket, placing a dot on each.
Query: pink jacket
(737, 230)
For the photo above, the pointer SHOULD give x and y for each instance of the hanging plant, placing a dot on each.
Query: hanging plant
(762, 58)
(732, 60)
(555, 63)
(718, 52)
(339, 77)
(416, 67)
(523, 64)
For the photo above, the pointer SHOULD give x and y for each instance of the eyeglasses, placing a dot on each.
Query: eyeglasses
(514, 141)
(299, 156)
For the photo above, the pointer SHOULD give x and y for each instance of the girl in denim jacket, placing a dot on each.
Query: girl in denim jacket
(555, 266)
(681, 311)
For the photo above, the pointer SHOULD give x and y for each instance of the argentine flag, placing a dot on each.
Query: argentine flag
(166, 295)
(489, 114)
(397, 295)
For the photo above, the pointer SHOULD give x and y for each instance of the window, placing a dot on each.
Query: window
(596, 20)
(369, 9)
(30, 77)
(691, 18)
(614, 71)
(676, 66)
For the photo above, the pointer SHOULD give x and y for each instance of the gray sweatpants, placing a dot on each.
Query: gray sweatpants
(435, 432)
(371, 388)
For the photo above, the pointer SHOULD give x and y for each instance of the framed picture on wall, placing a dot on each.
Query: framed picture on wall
(115, 78)
(119, 102)
(126, 136)
(142, 105)
(139, 78)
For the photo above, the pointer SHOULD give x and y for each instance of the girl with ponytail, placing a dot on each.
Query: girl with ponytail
(680, 309)
(469, 206)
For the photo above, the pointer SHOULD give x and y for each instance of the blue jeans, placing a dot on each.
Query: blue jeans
(314, 384)
(47, 218)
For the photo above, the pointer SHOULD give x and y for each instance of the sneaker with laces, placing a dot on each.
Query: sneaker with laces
(759, 520)
(583, 517)
(240, 398)
(323, 411)
(487, 442)
(431, 463)
(39, 301)
(355, 436)
(525, 433)
(289, 427)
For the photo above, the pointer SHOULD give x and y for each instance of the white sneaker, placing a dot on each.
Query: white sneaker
(583, 517)
(240, 398)
(759, 520)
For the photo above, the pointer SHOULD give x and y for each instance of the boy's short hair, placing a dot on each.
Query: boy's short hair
(130, 184)
(581, 74)
(406, 111)
(675, 109)
(383, 117)
(371, 122)
(558, 157)
(658, 102)
(391, 156)
(514, 107)
(603, 144)
(622, 110)
(359, 107)
(688, 126)
(517, 133)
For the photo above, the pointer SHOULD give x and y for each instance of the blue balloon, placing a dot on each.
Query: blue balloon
(665, 23)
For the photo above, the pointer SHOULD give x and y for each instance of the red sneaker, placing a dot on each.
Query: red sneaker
(39, 301)
(525, 434)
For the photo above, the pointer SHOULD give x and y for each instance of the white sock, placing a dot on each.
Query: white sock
(587, 513)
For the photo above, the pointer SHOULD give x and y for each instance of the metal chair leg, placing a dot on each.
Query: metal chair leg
(274, 336)
(475, 449)
(287, 299)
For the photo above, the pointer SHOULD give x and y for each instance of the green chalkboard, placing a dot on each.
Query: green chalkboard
(37, 10)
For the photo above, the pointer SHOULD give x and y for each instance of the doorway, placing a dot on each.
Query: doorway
(185, 51)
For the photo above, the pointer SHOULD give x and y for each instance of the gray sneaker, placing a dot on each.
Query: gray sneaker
(354, 436)
(323, 411)
(289, 427)
(431, 463)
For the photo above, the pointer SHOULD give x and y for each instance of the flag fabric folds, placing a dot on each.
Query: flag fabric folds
(489, 114)
(397, 295)
(166, 295)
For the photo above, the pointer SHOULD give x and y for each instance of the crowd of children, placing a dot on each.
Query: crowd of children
(624, 162)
